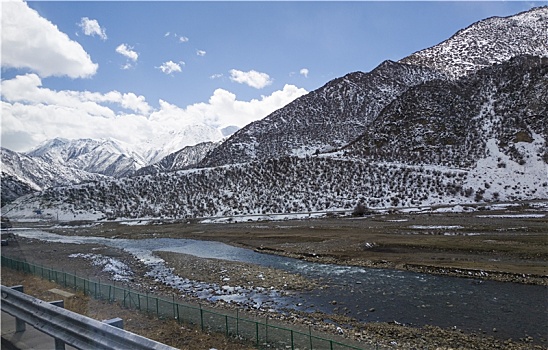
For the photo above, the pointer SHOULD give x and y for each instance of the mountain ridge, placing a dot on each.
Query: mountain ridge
(338, 112)
(486, 42)
(400, 135)
(312, 125)
(505, 163)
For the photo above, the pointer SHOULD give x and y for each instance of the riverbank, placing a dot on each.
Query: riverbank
(507, 245)
(390, 335)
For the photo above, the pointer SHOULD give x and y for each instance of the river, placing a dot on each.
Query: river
(504, 310)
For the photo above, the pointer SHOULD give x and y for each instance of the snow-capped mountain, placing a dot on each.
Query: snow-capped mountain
(447, 123)
(490, 41)
(22, 174)
(400, 135)
(107, 157)
(115, 158)
(339, 112)
(481, 138)
(493, 122)
(162, 145)
(188, 157)
(325, 119)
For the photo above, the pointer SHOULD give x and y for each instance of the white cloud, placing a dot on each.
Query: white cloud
(223, 109)
(127, 51)
(32, 114)
(304, 72)
(183, 39)
(170, 67)
(28, 89)
(200, 52)
(92, 27)
(252, 78)
(167, 34)
(31, 41)
(216, 76)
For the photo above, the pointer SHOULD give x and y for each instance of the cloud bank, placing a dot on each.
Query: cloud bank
(46, 50)
(83, 114)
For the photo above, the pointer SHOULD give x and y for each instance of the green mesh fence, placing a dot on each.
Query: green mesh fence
(263, 333)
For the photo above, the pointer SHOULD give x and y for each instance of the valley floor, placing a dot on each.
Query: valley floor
(507, 245)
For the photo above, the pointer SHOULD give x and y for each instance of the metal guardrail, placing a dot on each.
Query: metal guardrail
(69, 327)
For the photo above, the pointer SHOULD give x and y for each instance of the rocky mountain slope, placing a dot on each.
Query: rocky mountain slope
(481, 138)
(490, 41)
(107, 157)
(22, 174)
(186, 158)
(325, 119)
(339, 112)
(449, 122)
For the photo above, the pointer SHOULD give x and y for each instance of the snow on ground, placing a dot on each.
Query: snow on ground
(118, 270)
(269, 217)
(510, 216)
(454, 209)
(504, 179)
(135, 222)
(30, 209)
(435, 227)
(74, 226)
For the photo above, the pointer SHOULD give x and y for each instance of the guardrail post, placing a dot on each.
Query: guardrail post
(20, 325)
(59, 344)
(115, 322)
(310, 335)
(174, 310)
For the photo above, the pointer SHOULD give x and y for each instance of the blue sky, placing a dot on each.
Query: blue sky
(196, 63)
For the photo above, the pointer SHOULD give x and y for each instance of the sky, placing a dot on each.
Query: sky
(136, 70)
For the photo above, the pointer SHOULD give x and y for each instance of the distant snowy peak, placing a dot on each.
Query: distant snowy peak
(153, 150)
(101, 156)
(23, 174)
(116, 158)
(490, 41)
(185, 158)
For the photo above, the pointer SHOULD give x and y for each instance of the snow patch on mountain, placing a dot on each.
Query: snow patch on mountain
(154, 149)
(490, 41)
(496, 174)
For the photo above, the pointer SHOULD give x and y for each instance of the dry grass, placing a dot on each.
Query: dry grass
(165, 331)
(507, 245)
